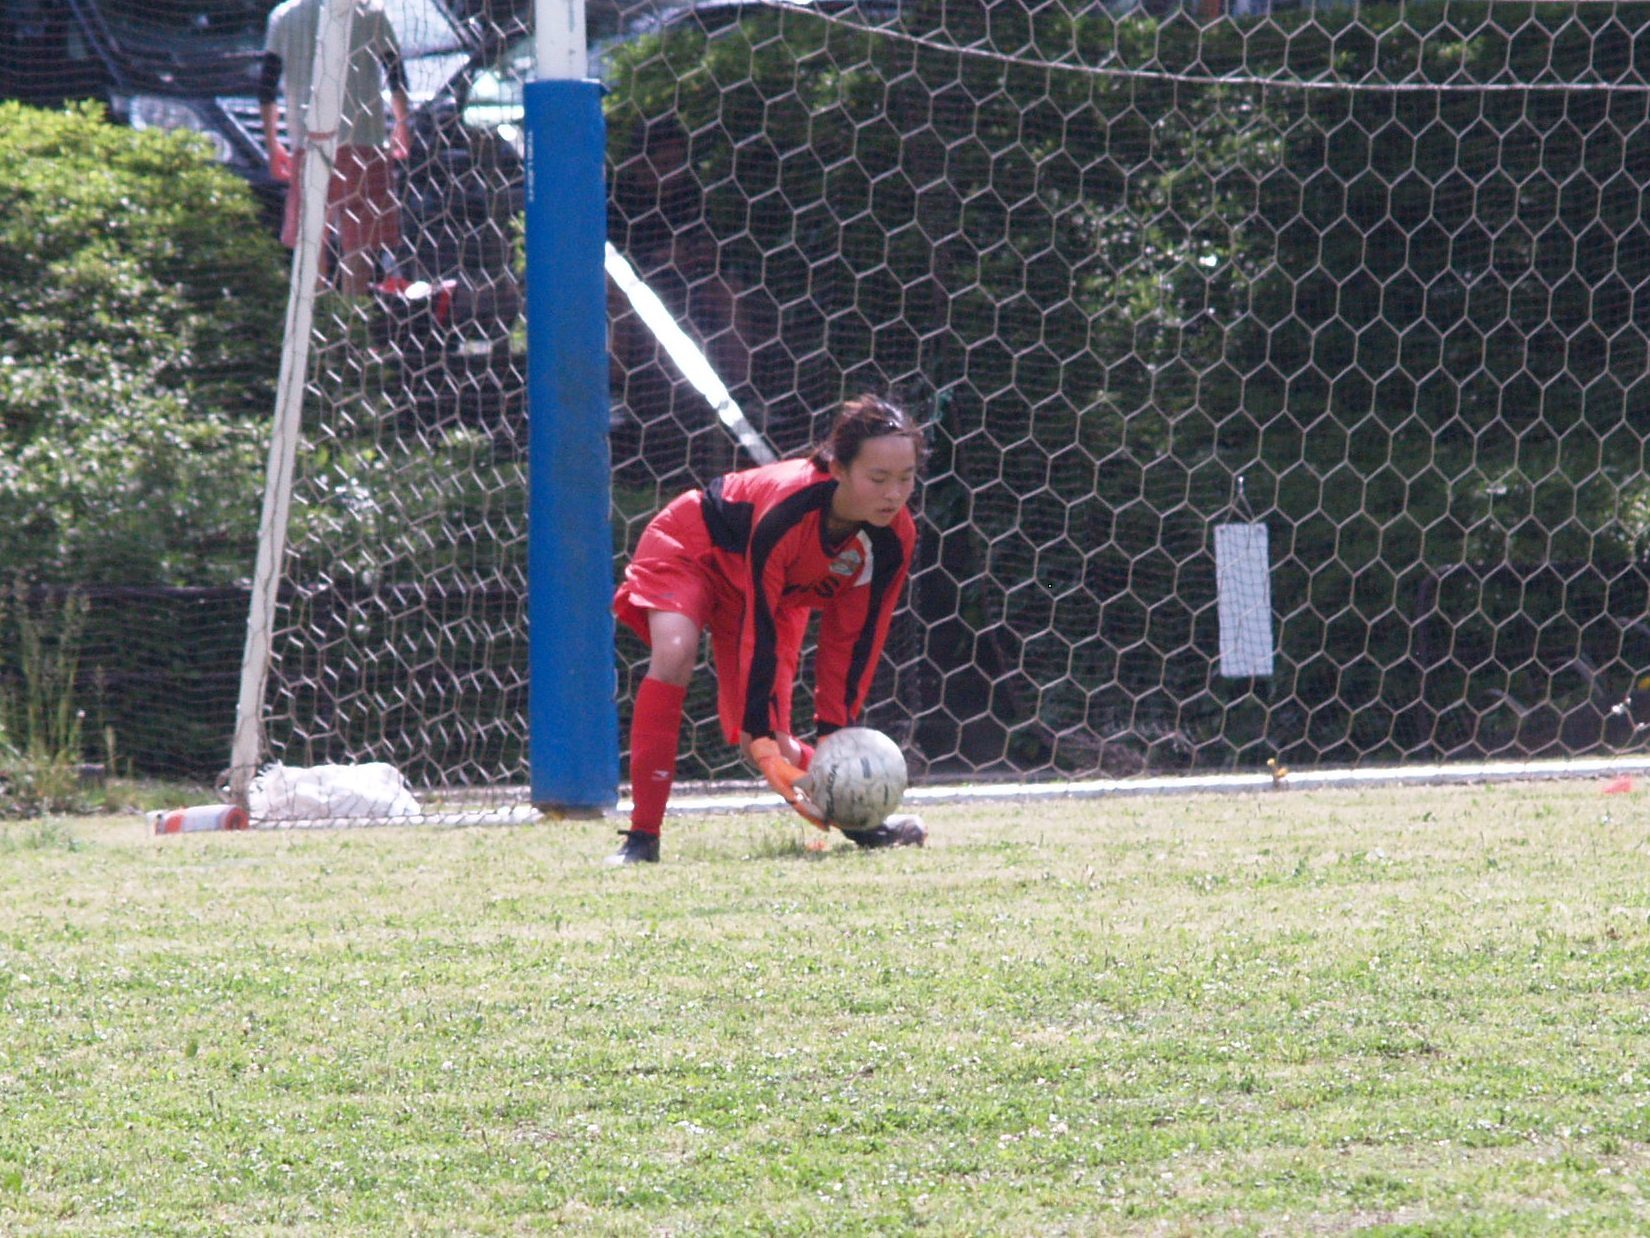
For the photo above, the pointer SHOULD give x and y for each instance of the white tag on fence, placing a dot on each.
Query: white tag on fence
(1243, 589)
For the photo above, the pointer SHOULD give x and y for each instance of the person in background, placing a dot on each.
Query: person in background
(362, 213)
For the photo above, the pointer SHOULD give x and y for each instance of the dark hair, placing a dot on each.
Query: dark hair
(862, 417)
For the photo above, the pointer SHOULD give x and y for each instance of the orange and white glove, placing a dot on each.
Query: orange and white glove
(782, 776)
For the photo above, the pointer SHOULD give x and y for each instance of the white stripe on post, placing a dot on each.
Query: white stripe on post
(559, 40)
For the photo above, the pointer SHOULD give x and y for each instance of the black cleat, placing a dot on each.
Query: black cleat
(903, 829)
(637, 848)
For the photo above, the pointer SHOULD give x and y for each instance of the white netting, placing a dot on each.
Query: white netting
(1374, 278)
(1374, 275)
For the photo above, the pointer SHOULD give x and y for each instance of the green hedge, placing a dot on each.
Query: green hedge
(140, 335)
(139, 339)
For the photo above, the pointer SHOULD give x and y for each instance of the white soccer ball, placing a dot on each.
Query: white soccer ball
(857, 778)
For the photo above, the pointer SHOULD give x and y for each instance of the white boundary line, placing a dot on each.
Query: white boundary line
(754, 797)
(747, 800)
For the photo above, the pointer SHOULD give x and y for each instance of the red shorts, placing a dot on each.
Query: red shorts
(674, 569)
(361, 205)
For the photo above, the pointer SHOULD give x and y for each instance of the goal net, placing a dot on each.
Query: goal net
(1282, 366)
(1368, 282)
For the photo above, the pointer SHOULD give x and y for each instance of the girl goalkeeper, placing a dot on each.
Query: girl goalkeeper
(749, 557)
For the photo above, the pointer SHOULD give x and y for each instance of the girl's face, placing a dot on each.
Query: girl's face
(877, 485)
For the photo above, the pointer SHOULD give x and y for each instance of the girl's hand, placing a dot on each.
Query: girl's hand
(782, 776)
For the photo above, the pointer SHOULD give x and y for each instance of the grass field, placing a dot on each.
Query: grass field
(1398, 1010)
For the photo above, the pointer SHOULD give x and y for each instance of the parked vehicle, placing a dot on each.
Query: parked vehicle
(190, 64)
(451, 298)
(448, 296)
(448, 303)
(450, 310)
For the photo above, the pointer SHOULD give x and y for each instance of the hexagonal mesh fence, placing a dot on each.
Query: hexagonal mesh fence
(1372, 280)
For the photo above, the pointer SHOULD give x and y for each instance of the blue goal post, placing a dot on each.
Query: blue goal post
(573, 740)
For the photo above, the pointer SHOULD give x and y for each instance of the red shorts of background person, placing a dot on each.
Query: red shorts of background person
(673, 569)
(361, 205)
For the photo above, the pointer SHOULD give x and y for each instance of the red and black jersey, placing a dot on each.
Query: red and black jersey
(759, 539)
(768, 526)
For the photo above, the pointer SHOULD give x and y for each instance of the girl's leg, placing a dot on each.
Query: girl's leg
(655, 728)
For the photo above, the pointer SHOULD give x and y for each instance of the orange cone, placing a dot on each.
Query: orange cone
(203, 817)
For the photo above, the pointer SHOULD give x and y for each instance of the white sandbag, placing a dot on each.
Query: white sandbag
(373, 789)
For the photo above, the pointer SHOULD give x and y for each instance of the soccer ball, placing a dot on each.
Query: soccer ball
(857, 777)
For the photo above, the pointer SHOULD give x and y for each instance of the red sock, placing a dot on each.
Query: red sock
(654, 731)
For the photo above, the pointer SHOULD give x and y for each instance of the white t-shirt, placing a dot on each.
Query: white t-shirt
(291, 36)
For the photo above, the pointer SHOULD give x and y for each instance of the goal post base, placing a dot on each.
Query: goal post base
(561, 812)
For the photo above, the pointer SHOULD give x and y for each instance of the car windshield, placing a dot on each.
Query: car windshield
(209, 27)
(423, 26)
(495, 91)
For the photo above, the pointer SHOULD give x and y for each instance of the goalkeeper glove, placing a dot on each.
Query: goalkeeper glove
(782, 776)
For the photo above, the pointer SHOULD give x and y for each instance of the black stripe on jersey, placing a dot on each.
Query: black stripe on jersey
(887, 557)
(780, 520)
(728, 523)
